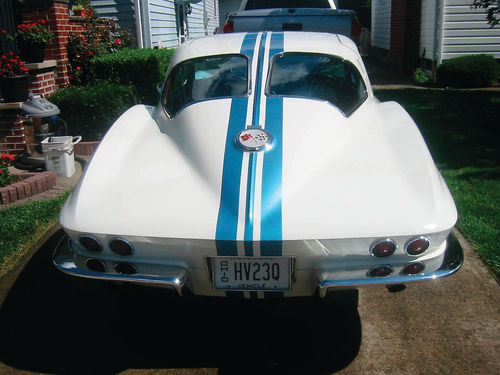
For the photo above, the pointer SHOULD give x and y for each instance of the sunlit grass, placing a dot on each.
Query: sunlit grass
(461, 128)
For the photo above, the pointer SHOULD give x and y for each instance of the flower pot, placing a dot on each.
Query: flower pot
(15, 89)
(32, 52)
(85, 13)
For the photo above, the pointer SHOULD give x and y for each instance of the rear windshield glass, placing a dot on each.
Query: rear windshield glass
(270, 4)
(205, 78)
(318, 76)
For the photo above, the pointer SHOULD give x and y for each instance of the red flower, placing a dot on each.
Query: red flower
(78, 68)
(4, 32)
(8, 157)
(118, 41)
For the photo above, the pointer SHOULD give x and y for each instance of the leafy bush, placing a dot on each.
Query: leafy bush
(468, 71)
(102, 36)
(141, 68)
(91, 110)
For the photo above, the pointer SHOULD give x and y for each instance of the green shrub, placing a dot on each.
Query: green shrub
(468, 71)
(141, 68)
(91, 110)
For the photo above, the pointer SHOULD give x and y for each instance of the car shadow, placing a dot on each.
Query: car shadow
(55, 323)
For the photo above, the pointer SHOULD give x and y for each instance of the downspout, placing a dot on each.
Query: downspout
(138, 23)
(438, 34)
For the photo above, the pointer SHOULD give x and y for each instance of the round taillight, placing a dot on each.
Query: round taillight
(95, 265)
(413, 268)
(121, 246)
(90, 243)
(383, 248)
(417, 246)
(380, 271)
(125, 268)
(228, 27)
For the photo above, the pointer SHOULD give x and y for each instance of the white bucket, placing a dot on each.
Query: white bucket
(58, 154)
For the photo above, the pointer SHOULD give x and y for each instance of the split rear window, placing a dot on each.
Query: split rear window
(205, 78)
(318, 76)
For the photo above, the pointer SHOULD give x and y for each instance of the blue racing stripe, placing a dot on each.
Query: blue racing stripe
(272, 174)
(227, 220)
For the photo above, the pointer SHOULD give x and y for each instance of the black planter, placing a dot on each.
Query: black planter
(32, 52)
(15, 89)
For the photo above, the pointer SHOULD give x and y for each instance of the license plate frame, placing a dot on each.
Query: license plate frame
(263, 272)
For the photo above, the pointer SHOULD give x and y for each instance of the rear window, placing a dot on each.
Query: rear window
(205, 78)
(318, 76)
(270, 4)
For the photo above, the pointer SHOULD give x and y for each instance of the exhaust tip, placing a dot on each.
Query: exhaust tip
(96, 265)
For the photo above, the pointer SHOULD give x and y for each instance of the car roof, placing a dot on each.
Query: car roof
(231, 43)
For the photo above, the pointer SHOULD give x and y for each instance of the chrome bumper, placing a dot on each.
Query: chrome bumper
(64, 260)
(453, 260)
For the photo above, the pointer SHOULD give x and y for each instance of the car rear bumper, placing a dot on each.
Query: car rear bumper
(64, 260)
(453, 260)
(178, 277)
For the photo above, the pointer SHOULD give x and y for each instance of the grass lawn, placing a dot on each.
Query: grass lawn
(23, 225)
(462, 130)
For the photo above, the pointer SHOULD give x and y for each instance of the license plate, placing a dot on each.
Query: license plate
(233, 273)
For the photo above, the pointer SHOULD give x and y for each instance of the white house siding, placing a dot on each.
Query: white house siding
(120, 10)
(204, 18)
(466, 31)
(381, 24)
(162, 24)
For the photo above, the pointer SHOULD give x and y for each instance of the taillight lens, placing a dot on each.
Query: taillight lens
(417, 246)
(380, 271)
(355, 28)
(413, 268)
(228, 27)
(90, 243)
(121, 246)
(383, 248)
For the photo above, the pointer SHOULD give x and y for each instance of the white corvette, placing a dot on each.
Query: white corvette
(267, 169)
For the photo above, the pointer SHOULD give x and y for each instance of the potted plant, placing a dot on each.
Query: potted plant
(14, 78)
(31, 39)
(82, 8)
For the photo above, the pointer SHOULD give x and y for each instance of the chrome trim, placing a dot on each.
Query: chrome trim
(414, 239)
(453, 260)
(64, 260)
(124, 240)
(377, 242)
(92, 238)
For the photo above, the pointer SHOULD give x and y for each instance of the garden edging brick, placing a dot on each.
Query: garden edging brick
(32, 184)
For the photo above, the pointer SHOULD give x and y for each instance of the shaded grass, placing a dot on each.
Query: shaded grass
(461, 129)
(21, 226)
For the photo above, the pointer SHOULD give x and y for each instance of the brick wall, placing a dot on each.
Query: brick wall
(59, 22)
(405, 35)
(12, 138)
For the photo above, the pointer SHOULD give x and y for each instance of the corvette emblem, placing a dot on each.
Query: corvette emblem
(253, 139)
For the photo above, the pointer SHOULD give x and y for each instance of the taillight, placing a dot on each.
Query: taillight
(380, 271)
(383, 248)
(417, 246)
(121, 246)
(95, 265)
(125, 268)
(90, 243)
(228, 27)
(413, 268)
(355, 28)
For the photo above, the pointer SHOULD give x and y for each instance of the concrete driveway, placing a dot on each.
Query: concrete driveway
(55, 324)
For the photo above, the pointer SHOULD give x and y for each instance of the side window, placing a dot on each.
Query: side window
(317, 76)
(205, 78)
